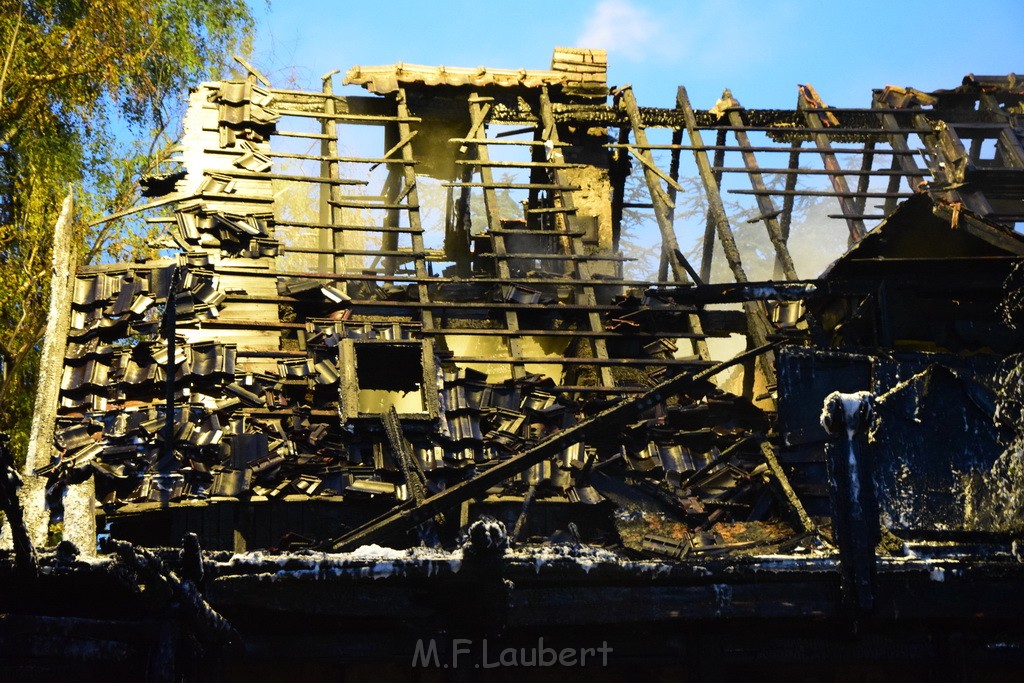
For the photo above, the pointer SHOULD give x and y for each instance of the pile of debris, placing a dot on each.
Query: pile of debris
(265, 435)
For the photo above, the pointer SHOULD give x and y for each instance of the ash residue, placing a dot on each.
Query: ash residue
(1012, 306)
(999, 495)
(999, 502)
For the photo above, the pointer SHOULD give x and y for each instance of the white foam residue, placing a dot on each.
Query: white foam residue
(852, 405)
(855, 509)
(95, 560)
(794, 562)
(371, 561)
(586, 557)
(377, 552)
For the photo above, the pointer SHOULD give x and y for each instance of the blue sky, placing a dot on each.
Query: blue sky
(760, 50)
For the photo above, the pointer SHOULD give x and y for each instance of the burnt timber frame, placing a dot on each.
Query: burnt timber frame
(948, 613)
(397, 115)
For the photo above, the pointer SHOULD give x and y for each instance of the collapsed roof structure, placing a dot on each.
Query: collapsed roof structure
(315, 368)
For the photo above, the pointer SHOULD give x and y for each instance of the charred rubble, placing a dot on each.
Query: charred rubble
(309, 383)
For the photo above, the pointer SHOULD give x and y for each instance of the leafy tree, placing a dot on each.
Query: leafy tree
(88, 91)
(508, 206)
(639, 236)
(815, 239)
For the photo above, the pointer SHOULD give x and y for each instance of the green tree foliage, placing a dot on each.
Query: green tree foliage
(88, 89)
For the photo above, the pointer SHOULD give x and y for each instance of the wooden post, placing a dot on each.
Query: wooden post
(715, 206)
(80, 499)
(653, 175)
(327, 239)
(663, 210)
(828, 158)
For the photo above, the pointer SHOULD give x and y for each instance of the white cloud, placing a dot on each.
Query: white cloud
(621, 27)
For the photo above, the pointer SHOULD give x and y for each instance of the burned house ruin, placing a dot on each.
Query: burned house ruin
(389, 371)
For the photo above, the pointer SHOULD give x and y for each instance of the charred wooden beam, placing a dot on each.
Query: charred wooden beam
(673, 173)
(663, 207)
(764, 202)
(652, 174)
(756, 319)
(781, 481)
(812, 105)
(568, 228)
(795, 148)
(710, 224)
(25, 562)
(862, 173)
(898, 141)
(407, 172)
(329, 213)
(842, 195)
(714, 196)
(788, 200)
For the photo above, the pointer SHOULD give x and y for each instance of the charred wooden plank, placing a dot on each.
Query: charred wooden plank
(782, 482)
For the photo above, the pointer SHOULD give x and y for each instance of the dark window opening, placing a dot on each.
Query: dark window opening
(390, 375)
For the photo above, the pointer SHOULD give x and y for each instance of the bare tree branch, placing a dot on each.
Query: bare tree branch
(10, 51)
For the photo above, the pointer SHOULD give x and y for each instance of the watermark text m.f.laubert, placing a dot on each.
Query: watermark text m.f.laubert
(466, 652)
